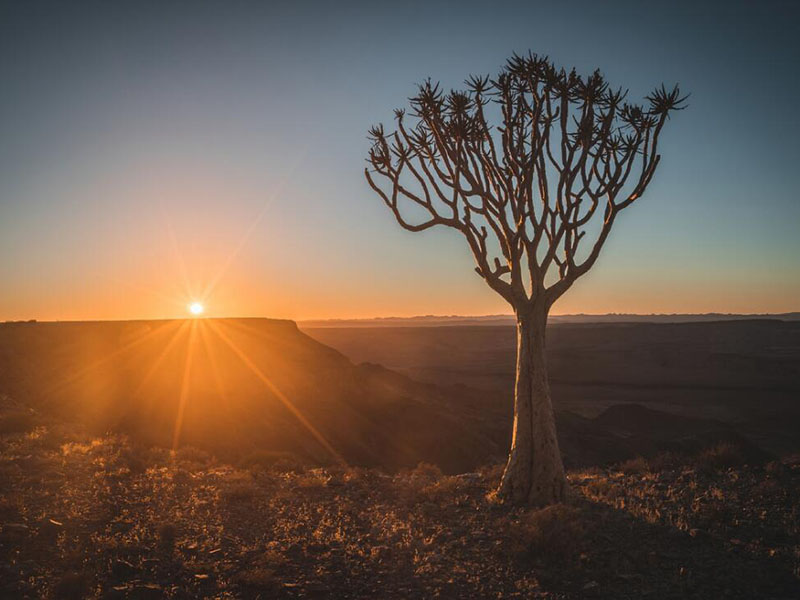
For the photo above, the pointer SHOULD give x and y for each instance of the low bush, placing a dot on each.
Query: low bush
(551, 534)
(634, 466)
(665, 461)
(492, 473)
(720, 457)
(445, 490)
(602, 488)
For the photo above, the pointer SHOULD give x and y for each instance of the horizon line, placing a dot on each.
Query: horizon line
(429, 317)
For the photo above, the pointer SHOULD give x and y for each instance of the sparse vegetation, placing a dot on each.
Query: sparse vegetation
(635, 465)
(219, 531)
(553, 533)
(719, 457)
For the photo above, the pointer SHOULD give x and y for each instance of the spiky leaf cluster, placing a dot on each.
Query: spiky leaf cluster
(565, 150)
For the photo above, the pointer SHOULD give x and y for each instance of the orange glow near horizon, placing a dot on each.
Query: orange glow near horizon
(245, 264)
(174, 367)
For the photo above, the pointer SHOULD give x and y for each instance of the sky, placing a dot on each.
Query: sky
(153, 154)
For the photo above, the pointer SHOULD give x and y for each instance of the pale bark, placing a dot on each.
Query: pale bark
(534, 473)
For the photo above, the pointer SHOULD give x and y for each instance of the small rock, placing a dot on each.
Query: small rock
(591, 586)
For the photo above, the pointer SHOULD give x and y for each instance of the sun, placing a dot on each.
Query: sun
(196, 308)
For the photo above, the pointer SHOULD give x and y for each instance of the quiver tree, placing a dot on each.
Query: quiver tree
(535, 196)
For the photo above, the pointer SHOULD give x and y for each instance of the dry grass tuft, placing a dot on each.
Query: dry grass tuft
(601, 488)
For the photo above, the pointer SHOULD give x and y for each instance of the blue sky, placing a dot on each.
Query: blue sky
(139, 143)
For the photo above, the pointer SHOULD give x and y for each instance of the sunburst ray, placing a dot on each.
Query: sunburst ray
(278, 393)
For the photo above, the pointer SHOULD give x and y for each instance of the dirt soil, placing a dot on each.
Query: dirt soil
(98, 517)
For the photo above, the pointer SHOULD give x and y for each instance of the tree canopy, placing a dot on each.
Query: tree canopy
(535, 194)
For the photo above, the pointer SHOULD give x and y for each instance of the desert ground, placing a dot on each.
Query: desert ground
(250, 458)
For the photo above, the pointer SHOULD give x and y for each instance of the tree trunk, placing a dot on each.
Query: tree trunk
(534, 473)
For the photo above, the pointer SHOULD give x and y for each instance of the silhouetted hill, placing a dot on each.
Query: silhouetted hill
(234, 386)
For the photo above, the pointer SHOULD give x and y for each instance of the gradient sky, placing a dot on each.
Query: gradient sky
(148, 150)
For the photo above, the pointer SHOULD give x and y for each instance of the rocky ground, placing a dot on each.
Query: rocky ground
(98, 517)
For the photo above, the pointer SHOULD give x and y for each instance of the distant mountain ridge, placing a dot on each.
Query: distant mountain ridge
(254, 387)
(457, 320)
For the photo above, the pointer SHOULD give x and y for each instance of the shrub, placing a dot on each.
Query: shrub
(492, 473)
(665, 461)
(409, 483)
(446, 489)
(720, 457)
(553, 533)
(634, 466)
(238, 487)
(601, 488)
(425, 472)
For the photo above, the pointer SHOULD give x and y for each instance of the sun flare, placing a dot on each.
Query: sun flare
(196, 308)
